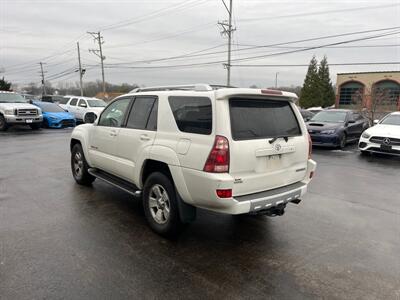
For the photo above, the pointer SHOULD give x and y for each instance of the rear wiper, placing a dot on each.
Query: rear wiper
(286, 138)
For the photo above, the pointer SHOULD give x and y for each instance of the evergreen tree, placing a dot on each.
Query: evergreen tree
(327, 94)
(4, 85)
(310, 95)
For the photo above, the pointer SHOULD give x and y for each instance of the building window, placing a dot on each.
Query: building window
(351, 93)
(387, 93)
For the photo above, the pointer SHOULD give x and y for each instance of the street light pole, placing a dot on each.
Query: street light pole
(276, 80)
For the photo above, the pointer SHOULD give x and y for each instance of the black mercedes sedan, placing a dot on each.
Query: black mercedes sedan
(336, 127)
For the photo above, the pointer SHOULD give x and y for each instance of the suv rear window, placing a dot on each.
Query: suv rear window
(192, 114)
(258, 119)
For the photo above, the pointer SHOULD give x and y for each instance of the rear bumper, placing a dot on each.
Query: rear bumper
(11, 119)
(202, 187)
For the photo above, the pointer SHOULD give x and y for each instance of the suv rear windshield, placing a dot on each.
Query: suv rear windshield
(192, 114)
(258, 119)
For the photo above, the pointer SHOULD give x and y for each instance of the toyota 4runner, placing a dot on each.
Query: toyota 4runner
(15, 110)
(228, 150)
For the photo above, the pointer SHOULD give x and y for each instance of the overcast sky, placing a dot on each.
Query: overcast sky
(133, 31)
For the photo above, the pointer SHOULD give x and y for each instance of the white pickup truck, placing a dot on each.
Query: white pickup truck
(14, 110)
(229, 150)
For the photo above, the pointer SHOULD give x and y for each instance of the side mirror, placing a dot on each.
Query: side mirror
(376, 122)
(351, 121)
(90, 118)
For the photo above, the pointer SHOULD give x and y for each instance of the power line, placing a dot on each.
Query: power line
(188, 55)
(253, 57)
(330, 64)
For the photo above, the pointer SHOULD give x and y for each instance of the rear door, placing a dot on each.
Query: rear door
(267, 146)
(81, 109)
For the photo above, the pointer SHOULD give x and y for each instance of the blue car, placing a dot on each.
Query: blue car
(336, 127)
(54, 116)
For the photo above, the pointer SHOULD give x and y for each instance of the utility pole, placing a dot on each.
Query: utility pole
(99, 52)
(228, 30)
(43, 83)
(276, 80)
(81, 72)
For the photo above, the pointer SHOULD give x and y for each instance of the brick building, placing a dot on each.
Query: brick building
(366, 88)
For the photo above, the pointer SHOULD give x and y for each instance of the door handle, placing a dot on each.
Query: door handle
(144, 137)
(113, 133)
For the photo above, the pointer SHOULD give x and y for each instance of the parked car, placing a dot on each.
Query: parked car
(52, 98)
(14, 110)
(315, 110)
(80, 106)
(54, 116)
(306, 114)
(336, 127)
(384, 137)
(230, 150)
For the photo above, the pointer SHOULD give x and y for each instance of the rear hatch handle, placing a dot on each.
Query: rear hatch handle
(286, 138)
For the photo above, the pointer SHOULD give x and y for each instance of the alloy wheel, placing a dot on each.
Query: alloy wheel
(159, 204)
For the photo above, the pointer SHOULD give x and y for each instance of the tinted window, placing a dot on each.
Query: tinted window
(192, 114)
(63, 100)
(113, 115)
(73, 101)
(82, 103)
(140, 113)
(255, 119)
(96, 103)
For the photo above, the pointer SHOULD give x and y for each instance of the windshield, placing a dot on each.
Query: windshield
(11, 98)
(50, 107)
(330, 117)
(391, 120)
(96, 103)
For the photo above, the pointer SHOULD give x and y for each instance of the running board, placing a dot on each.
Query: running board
(115, 181)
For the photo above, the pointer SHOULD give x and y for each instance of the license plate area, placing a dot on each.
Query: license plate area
(386, 148)
(28, 121)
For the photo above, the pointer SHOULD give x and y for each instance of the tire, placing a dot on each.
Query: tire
(45, 124)
(3, 123)
(160, 205)
(343, 141)
(35, 126)
(80, 167)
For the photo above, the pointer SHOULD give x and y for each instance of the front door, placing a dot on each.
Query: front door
(136, 138)
(103, 147)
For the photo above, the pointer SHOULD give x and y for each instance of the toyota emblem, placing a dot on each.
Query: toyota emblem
(386, 141)
(278, 147)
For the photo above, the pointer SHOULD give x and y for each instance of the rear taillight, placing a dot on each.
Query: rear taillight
(224, 193)
(218, 160)
(309, 146)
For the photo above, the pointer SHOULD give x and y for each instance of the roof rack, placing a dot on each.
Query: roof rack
(198, 87)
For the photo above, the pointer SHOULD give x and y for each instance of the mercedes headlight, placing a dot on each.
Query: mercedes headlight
(365, 135)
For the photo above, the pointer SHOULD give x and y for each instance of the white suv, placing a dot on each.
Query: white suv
(229, 150)
(80, 106)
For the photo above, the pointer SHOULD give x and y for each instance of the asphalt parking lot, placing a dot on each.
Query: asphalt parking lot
(59, 240)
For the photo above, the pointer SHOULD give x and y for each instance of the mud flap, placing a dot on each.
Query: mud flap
(187, 212)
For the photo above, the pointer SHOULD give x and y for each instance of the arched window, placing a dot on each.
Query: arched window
(386, 92)
(350, 93)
